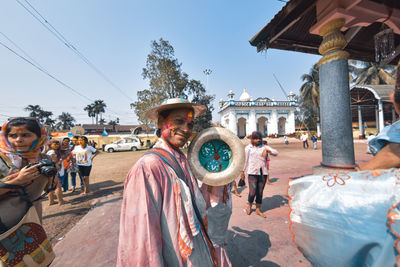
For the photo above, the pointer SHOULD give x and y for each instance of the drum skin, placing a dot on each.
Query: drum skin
(237, 159)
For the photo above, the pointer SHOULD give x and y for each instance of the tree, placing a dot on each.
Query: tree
(114, 123)
(167, 80)
(309, 90)
(66, 121)
(35, 110)
(308, 113)
(43, 116)
(371, 73)
(90, 111)
(50, 122)
(200, 97)
(102, 121)
(99, 109)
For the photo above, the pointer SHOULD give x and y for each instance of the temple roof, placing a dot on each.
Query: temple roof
(245, 96)
(290, 30)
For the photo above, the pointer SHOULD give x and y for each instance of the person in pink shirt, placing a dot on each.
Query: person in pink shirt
(163, 216)
(255, 164)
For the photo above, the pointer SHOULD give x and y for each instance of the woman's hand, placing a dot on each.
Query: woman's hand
(26, 175)
(242, 176)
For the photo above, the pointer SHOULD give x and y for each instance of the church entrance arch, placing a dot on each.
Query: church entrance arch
(241, 127)
(282, 126)
(262, 126)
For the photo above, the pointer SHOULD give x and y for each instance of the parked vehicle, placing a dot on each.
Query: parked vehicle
(126, 143)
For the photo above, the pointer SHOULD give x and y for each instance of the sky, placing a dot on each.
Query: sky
(115, 36)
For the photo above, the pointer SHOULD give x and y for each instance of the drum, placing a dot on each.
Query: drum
(216, 156)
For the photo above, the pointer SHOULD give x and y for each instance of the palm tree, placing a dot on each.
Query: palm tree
(309, 91)
(113, 123)
(98, 108)
(102, 121)
(90, 111)
(35, 110)
(309, 96)
(371, 73)
(45, 117)
(50, 122)
(66, 121)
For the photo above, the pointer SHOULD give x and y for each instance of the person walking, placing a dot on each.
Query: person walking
(314, 140)
(255, 165)
(84, 156)
(304, 138)
(163, 214)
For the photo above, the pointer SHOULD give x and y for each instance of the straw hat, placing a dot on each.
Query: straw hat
(174, 103)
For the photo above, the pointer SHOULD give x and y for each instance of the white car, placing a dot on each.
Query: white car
(126, 143)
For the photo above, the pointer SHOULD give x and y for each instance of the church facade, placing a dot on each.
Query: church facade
(270, 117)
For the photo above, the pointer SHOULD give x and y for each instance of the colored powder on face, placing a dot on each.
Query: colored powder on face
(167, 132)
(20, 129)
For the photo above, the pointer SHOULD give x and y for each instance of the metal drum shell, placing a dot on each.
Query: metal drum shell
(232, 171)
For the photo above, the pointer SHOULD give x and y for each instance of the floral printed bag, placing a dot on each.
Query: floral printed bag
(25, 244)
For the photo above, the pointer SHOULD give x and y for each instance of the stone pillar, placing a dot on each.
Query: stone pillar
(252, 122)
(360, 124)
(274, 123)
(291, 123)
(380, 114)
(232, 122)
(336, 125)
(377, 120)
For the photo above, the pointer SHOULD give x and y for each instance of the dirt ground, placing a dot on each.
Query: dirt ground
(110, 169)
(107, 177)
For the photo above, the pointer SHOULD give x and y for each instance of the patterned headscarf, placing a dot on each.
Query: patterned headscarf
(65, 151)
(6, 147)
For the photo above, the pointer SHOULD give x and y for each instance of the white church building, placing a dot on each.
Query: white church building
(270, 117)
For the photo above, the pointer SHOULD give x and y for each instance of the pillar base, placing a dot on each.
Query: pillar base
(322, 169)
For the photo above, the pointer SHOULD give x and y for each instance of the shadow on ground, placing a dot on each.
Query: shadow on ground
(248, 248)
(273, 180)
(270, 203)
(75, 198)
(98, 190)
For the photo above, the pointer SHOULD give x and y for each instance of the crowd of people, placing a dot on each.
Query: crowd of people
(71, 157)
(168, 216)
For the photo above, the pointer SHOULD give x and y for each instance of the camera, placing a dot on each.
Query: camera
(46, 167)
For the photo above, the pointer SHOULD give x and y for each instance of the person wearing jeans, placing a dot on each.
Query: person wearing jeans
(255, 164)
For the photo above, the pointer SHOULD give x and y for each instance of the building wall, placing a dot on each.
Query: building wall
(231, 115)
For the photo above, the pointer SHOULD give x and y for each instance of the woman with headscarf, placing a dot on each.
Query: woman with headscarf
(21, 141)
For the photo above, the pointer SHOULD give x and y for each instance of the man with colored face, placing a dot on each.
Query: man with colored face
(177, 127)
(163, 211)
